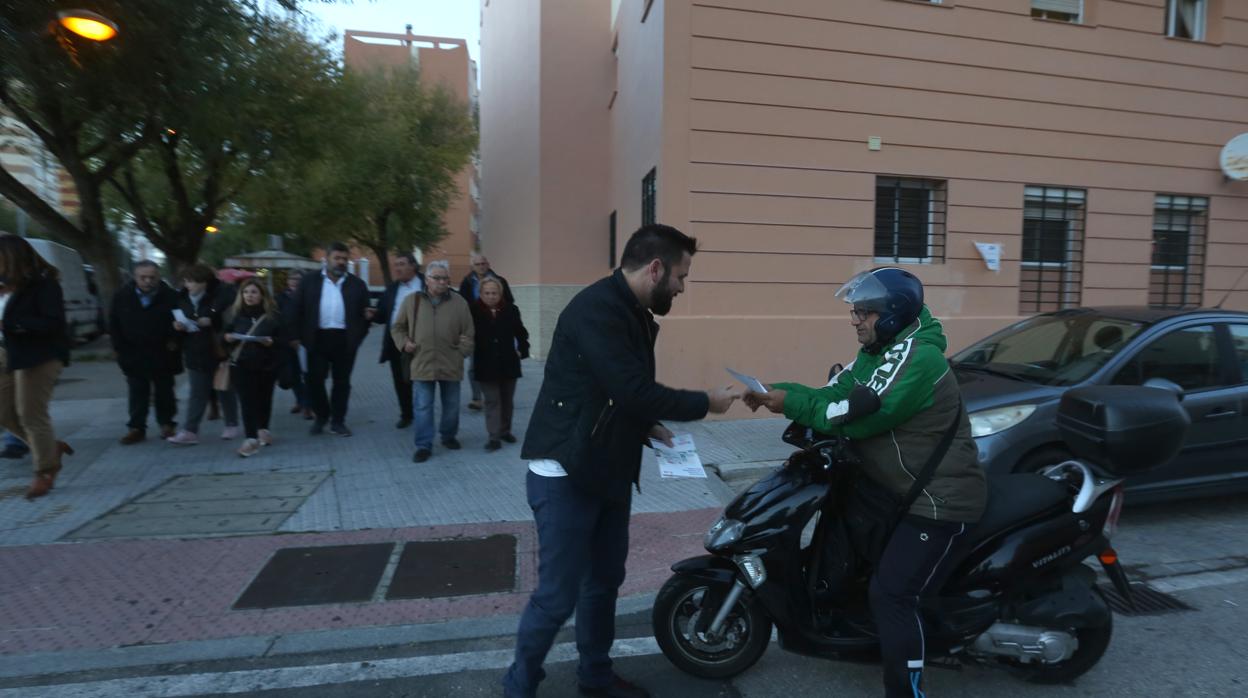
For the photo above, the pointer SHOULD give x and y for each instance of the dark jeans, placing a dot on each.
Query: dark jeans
(332, 351)
(582, 547)
(402, 386)
(255, 397)
(141, 389)
(911, 567)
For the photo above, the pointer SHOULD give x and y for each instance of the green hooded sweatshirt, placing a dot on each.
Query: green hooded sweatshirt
(919, 398)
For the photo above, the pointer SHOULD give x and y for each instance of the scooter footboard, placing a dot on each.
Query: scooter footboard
(1073, 602)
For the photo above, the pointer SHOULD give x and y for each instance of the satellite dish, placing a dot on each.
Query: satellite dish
(1235, 158)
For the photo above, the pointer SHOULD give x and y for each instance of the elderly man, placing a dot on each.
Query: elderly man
(147, 348)
(407, 280)
(435, 330)
(470, 289)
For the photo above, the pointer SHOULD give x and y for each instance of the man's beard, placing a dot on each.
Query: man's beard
(661, 296)
(338, 270)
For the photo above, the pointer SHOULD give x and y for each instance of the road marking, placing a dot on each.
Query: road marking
(1199, 580)
(173, 685)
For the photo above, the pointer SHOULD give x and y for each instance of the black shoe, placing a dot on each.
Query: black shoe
(421, 455)
(493, 445)
(451, 443)
(619, 688)
(14, 451)
(403, 423)
(318, 427)
(508, 438)
(339, 430)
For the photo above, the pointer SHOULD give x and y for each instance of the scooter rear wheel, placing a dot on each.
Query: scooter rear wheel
(1092, 645)
(676, 612)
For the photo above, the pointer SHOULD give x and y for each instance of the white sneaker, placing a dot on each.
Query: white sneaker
(265, 437)
(231, 433)
(250, 448)
(184, 438)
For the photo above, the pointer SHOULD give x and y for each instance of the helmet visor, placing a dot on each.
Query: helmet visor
(865, 292)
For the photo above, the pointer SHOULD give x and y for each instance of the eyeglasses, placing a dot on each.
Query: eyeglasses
(859, 314)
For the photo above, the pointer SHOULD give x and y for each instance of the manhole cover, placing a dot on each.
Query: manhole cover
(431, 569)
(321, 575)
(1148, 601)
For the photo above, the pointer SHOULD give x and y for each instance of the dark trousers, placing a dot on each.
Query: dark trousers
(255, 397)
(582, 547)
(499, 405)
(912, 566)
(402, 386)
(332, 353)
(141, 389)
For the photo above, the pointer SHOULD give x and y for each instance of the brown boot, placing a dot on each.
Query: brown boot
(64, 449)
(42, 484)
(133, 437)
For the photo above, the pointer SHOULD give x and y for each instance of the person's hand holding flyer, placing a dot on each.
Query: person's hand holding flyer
(680, 459)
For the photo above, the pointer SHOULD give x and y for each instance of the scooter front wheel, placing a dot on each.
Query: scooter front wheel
(677, 609)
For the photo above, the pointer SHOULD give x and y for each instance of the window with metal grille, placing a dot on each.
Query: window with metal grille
(909, 220)
(647, 197)
(1185, 19)
(611, 238)
(1061, 10)
(1177, 277)
(1051, 277)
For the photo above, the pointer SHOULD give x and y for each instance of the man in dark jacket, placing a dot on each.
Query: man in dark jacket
(470, 289)
(330, 317)
(598, 404)
(141, 328)
(407, 280)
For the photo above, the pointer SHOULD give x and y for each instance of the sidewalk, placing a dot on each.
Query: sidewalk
(69, 603)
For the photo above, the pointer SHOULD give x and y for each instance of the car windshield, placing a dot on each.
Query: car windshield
(1057, 349)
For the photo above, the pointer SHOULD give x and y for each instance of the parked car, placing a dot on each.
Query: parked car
(82, 307)
(1012, 381)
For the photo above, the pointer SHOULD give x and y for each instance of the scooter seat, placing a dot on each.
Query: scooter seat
(1014, 500)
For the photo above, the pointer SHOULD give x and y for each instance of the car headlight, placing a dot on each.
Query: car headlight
(988, 422)
(724, 533)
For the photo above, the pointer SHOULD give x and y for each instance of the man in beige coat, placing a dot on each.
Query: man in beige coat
(434, 328)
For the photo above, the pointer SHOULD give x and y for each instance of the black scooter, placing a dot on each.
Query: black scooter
(1018, 596)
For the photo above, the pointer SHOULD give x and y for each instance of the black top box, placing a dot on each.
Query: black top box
(1123, 430)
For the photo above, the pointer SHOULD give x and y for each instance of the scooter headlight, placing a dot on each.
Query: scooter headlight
(724, 533)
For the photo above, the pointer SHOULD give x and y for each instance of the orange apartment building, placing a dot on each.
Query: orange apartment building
(440, 61)
(802, 141)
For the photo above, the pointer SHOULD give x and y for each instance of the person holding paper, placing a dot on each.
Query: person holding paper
(253, 361)
(918, 410)
(598, 404)
(198, 318)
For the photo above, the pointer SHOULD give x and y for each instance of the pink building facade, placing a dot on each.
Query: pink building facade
(802, 141)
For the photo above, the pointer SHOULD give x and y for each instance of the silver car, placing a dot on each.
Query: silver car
(1012, 380)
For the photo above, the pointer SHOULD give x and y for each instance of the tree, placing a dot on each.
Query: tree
(387, 177)
(264, 99)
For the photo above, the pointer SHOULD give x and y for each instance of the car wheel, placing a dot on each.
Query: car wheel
(1042, 458)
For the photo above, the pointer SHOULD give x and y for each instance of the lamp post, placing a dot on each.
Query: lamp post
(87, 24)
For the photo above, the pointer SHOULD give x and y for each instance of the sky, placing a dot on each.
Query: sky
(455, 19)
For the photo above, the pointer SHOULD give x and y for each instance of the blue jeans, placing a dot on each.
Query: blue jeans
(422, 412)
(582, 547)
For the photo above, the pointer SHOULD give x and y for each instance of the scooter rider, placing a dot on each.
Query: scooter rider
(902, 360)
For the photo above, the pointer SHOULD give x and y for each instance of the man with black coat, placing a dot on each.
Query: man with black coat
(330, 317)
(597, 406)
(407, 280)
(147, 348)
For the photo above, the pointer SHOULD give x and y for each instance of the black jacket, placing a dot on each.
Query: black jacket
(305, 310)
(465, 288)
(599, 398)
(494, 353)
(253, 355)
(201, 350)
(385, 308)
(34, 325)
(144, 338)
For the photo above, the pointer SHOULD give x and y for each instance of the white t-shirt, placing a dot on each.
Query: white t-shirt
(403, 291)
(547, 468)
(333, 312)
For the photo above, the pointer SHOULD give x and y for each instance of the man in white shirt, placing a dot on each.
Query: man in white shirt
(407, 280)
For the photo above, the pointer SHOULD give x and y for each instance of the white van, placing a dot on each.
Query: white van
(82, 308)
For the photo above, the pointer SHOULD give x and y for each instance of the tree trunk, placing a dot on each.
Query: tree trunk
(383, 259)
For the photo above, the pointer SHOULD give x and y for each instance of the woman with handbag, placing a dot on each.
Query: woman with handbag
(922, 486)
(34, 348)
(501, 342)
(253, 337)
(198, 324)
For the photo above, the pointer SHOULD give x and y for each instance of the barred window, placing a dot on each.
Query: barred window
(909, 220)
(647, 197)
(1177, 277)
(1052, 251)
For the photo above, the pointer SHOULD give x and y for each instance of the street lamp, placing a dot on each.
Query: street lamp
(87, 24)
(211, 229)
